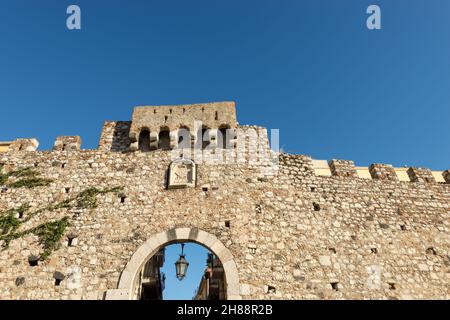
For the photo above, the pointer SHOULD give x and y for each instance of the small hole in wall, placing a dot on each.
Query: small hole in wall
(316, 206)
(332, 250)
(184, 110)
(431, 250)
(20, 281)
(72, 240)
(154, 111)
(216, 116)
(122, 199)
(335, 286)
(170, 111)
(392, 286)
(227, 223)
(402, 227)
(203, 109)
(63, 165)
(36, 164)
(165, 118)
(58, 276)
(313, 189)
(33, 260)
(374, 250)
(205, 189)
(20, 215)
(67, 190)
(4, 189)
(271, 289)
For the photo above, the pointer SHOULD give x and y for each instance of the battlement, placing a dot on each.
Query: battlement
(168, 127)
(377, 171)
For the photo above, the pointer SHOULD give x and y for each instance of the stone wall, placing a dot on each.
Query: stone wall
(154, 118)
(292, 234)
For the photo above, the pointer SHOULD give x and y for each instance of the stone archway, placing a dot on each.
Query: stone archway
(127, 279)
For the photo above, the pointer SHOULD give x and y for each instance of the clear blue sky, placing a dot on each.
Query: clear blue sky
(310, 68)
(196, 255)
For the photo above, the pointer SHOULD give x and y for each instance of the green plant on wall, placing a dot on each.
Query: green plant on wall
(25, 178)
(51, 232)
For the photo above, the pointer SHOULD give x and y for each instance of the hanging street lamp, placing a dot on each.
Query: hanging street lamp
(181, 265)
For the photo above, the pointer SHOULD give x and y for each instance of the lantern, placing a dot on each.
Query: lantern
(181, 265)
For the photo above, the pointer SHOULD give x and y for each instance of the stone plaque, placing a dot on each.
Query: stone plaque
(182, 173)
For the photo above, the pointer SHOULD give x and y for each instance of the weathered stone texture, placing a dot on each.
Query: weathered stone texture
(343, 168)
(67, 143)
(154, 118)
(24, 145)
(115, 136)
(420, 175)
(380, 171)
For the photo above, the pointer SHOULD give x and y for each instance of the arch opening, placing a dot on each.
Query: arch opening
(130, 285)
(164, 139)
(144, 140)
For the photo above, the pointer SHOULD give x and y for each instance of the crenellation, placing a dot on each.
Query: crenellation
(380, 171)
(67, 143)
(24, 145)
(343, 168)
(421, 175)
(115, 136)
(446, 175)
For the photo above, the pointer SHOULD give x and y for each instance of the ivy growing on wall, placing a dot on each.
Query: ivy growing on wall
(24, 178)
(51, 232)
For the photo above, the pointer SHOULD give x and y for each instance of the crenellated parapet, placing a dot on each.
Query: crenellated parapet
(342, 168)
(446, 176)
(421, 175)
(67, 143)
(115, 136)
(24, 145)
(380, 171)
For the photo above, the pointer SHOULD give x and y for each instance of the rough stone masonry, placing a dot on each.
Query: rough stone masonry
(308, 230)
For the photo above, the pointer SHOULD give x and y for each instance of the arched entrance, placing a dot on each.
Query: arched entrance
(128, 279)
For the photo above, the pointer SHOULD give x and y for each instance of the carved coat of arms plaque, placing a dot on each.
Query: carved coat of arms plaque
(182, 173)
